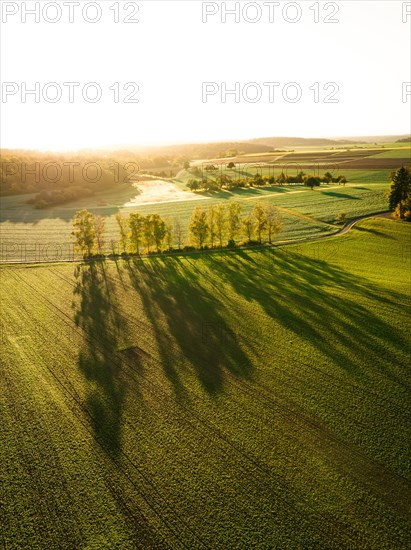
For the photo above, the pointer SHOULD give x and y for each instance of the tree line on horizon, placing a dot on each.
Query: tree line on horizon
(207, 183)
(217, 226)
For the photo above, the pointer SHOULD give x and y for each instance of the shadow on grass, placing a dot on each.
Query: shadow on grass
(234, 192)
(295, 292)
(190, 326)
(340, 195)
(99, 318)
(198, 326)
(374, 232)
(194, 314)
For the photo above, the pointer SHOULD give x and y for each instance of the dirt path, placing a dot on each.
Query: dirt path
(349, 225)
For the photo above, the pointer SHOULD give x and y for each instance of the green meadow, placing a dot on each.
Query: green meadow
(28, 234)
(239, 399)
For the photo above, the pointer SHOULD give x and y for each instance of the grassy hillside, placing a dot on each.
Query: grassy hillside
(251, 399)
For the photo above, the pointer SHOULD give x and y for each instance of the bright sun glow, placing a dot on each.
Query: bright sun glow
(360, 63)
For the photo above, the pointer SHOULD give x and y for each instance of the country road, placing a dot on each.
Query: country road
(342, 231)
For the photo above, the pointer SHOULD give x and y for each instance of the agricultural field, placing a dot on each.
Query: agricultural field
(226, 400)
(332, 155)
(43, 235)
(29, 234)
(403, 153)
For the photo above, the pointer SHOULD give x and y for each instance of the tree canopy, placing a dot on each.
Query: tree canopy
(399, 197)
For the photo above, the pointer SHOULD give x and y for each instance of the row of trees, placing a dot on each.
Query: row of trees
(217, 226)
(399, 196)
(137, 233)
(222, 223)
(220, 181)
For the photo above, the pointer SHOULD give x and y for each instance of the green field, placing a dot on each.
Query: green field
(28, 234)
(404, 152)
(239, 400)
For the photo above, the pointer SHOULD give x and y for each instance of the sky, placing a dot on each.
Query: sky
(307, 69)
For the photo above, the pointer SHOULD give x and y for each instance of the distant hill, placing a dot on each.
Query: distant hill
(377, 139)
(301, 142)
(211, 150)
(226, 149)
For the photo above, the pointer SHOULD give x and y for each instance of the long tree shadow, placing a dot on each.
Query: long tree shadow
(190, 325)
(101, 322)
(340, 195)
(374, 232)
(294, 291)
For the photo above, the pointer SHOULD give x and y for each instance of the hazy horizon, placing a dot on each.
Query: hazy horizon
(342, 75)
(120, 146)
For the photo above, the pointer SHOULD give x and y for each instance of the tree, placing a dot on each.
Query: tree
(260, 221)
(234, 222)
(211, 220)
(248, 224)
(221, 222)
(169, 233)
(300, 177)
(407, 209)
(274, 221)
(281, 178)
(178, 232)
(159, 230)
(327, 177)
(123, 228)
(84, 231)
(136, 223)
(231, 165)
(400, 191)
(193, 185)
(148, 232)
(199, 226)
(99, 228)
(312, 182)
